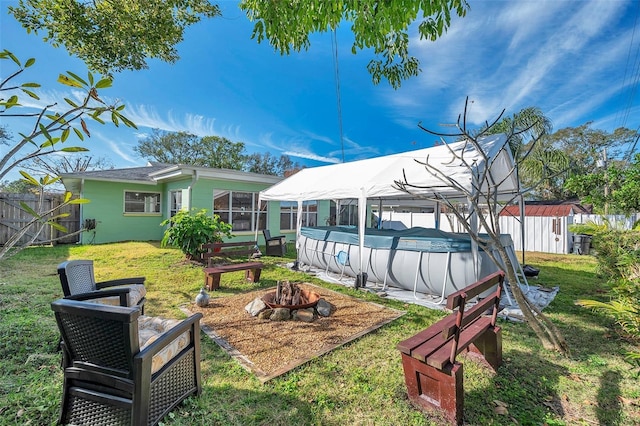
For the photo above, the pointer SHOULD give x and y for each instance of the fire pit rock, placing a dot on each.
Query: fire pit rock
(280, 314)
(255, 307)
(324, 308)
(304, 315)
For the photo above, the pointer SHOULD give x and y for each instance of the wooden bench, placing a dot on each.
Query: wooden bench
(432, 374)
(216, 251)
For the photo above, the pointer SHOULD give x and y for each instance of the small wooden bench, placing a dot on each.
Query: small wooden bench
(215, 251)
(432, 374)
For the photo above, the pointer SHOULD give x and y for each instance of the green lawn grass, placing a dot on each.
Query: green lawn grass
(360, 383)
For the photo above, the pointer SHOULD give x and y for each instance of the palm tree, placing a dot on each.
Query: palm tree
(541, 166)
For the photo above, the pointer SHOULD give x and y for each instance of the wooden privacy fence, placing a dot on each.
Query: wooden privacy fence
(13, 218)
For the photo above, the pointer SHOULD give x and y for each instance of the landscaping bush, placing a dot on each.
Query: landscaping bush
(589, 228)
(189, 230)
(618, 254)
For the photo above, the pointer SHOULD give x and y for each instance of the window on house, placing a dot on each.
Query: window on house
(175, 202)
(349, 214)
(141, 202)
(289, 214)
(240, 209)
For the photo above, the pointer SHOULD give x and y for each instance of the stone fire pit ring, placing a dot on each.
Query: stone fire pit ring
(308, 299)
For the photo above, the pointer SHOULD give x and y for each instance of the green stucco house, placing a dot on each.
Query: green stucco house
(129, 204)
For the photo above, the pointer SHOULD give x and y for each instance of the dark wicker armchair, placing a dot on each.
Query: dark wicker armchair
(78, 282)
(120, 367)
(275, 246)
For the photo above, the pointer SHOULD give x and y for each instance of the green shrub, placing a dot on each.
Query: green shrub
(189, 230)
(589, 228)
(618, 254)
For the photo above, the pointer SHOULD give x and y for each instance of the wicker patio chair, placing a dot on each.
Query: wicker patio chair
(78, 282)
(124, 368)
(275, 246)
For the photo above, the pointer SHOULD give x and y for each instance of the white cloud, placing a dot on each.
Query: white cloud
(306, 144)
(355, 150)
(511, 55)
(316, 137)
(312, 156)
(199, 125)
(116, 148)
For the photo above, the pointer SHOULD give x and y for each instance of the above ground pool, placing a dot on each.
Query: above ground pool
(422, 260)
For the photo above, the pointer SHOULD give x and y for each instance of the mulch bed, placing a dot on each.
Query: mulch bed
(272, 348)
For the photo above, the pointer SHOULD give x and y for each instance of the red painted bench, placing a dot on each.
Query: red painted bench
(432, 374)
(213, 251)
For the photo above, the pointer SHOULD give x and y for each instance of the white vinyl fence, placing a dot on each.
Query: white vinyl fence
(615, 221)
(542, 234)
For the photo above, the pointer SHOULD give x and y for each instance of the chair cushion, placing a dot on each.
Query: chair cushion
(150, 329)
(137, 292)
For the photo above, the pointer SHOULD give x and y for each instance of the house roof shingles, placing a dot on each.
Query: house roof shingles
(128, 174)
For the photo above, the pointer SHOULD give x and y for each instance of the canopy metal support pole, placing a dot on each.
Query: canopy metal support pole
(361, 276)
(298, 234)
(523, 239)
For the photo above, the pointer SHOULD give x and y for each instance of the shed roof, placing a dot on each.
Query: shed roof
(547, 210)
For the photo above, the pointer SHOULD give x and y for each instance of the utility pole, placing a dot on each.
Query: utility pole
(606, 183)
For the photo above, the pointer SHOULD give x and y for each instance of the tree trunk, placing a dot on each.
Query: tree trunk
(482, 191)
(544, 328)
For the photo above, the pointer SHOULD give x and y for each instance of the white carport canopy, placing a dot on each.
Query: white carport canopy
(375, 177)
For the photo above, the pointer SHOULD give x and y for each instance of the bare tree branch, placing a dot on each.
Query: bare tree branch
(482, 195)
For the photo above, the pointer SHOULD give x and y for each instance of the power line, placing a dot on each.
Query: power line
(334, 47)
(627, 157)
(636, 65)
(632, 92)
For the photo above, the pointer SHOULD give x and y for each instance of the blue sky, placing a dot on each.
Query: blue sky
(575, 60)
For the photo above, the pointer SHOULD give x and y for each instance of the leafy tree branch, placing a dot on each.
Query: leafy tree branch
(114, 35)
(50, 130)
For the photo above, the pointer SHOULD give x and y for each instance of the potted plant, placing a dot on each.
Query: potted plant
(189, 230)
